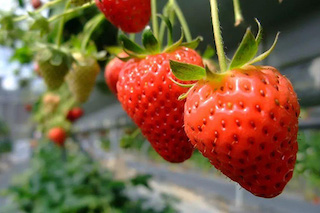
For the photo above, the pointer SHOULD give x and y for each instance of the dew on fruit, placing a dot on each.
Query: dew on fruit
(264, 81)
(241, 104)
(259, 158)
(216, 134)
(265, 130)
(268, 166)
(251, 141)
(278, 185)
(253, 125)
(241, 161)
(272, 116)
(204, 121)
(258, 108)
(262, 146)
(223, 123)
(278, 170)
(238, 123)
(246, 87)
(288, 176)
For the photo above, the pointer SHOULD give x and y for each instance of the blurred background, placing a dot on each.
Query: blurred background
(108, 135)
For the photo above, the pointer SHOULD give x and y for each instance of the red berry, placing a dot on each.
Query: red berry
(246, 123)
(28, 107)
(130, 16)
(74, 114)
(112, 71)
(57, 135)
(151, 100)
(36, 3)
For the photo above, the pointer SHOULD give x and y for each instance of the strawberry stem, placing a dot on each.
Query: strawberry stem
(61, 25)
(237, 13)
(182, 20)
(155, 25)
(70, 11)
(45, 6)
(217, 35)
(96, 22)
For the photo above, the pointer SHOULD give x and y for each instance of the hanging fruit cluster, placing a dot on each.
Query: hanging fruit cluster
(242, 117)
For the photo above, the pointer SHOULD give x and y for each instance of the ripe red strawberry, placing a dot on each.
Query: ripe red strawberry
(245, 121)
(112, 71)
(57, 135)
(36, 3)
(74, 114)
(130, 16)
(151, 100)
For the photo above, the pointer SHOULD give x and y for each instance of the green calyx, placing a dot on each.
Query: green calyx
(151, 44)
(244, 56)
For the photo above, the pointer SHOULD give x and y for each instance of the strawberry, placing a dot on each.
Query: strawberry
(57, 135)
(54, 65)
(244, 118)
(81, 79)
(28, 107)
(130, 16)
(112, 71)
(151, 99)
(36, 3)
(74, 114)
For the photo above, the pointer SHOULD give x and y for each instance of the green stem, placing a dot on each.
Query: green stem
(45, 6)
(61, 25)
(96, 22)
(132, 36)
(237, 13)
(154, 18)
(218, 36)
(70, 11)
(182, 20)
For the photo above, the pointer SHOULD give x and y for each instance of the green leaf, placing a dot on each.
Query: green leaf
(168, 23)
(246, 51)
(209, 52)
(193, 44)
(175, 45)
(149, 41)
(130, 45)
(40, 24)
(187, 72)
(259, 34)
(265, 54)
(180, 84)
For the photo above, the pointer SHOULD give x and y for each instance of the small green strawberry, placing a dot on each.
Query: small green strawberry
(81, 79)
(54, 64)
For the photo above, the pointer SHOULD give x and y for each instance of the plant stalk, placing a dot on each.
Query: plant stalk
(155, 24)
(218, 36)
(45, 6)
(237, 13)
(70, 11)
(61, 25)
(182, 20)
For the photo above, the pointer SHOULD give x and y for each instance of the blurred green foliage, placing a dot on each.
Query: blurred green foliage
(308, 158)
(60, 182)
